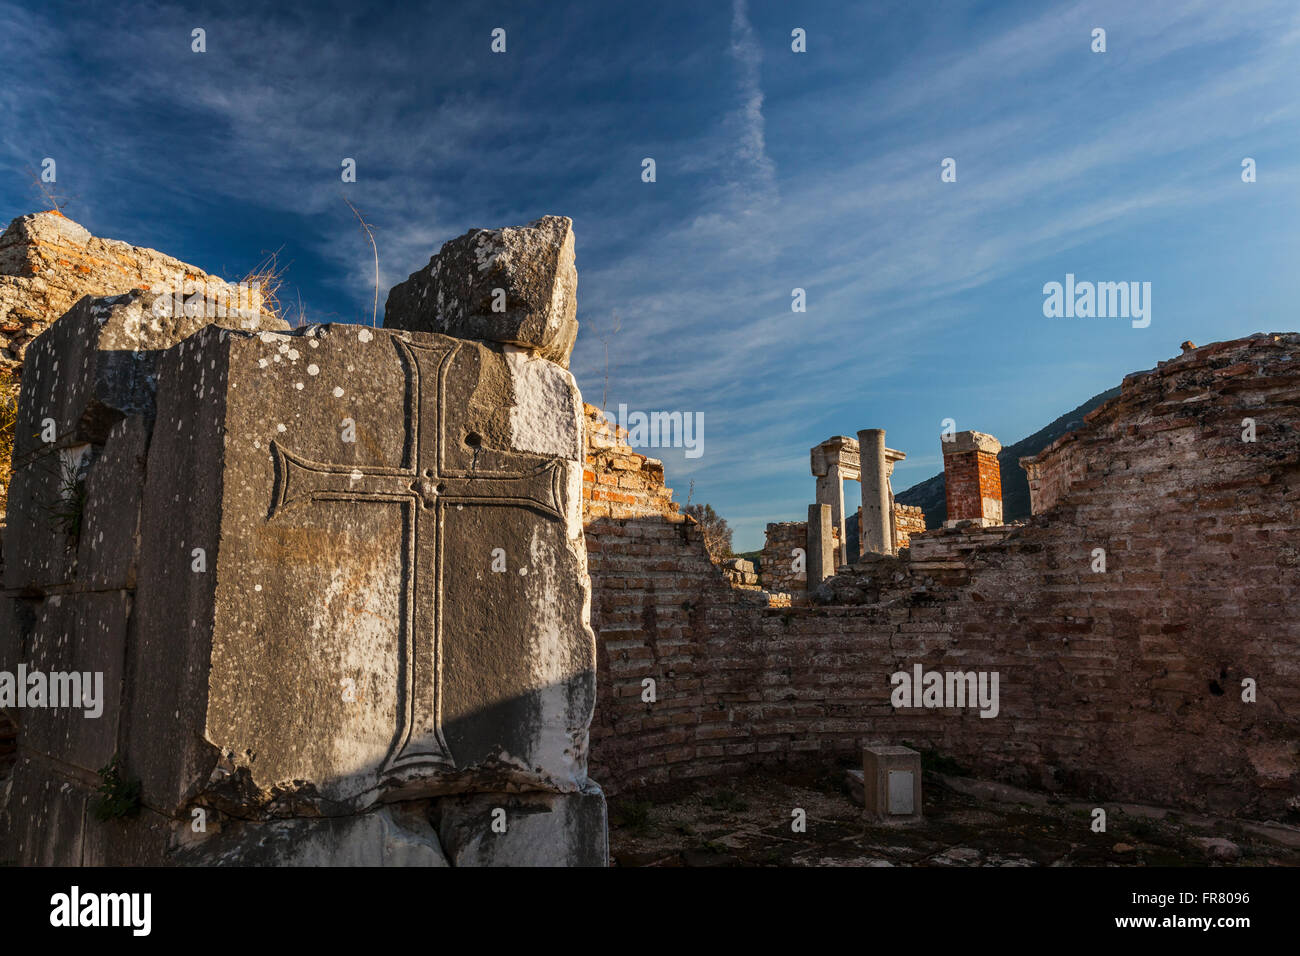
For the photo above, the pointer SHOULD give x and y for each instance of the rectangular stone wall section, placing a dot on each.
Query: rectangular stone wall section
(777, 568)
(909, 520)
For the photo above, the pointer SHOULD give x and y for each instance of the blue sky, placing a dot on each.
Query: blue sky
(775, 170)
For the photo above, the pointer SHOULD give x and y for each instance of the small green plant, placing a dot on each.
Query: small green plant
(119, 796)
(636, 817)
(69, 509)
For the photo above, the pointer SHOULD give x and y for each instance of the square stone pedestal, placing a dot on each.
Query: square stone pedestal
(891, 784)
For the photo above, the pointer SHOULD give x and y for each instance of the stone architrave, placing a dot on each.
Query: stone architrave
(833, 462)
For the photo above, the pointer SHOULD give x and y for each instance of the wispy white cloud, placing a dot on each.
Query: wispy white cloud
(767, 181)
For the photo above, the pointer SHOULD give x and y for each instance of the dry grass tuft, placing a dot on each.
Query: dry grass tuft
(8, 418)
(268, 276)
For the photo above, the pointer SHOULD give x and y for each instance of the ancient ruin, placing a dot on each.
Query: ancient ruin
(361, 595)
(335, 579)
(1126, 675)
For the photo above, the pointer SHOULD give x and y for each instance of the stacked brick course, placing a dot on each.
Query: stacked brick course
(740, 573)
(908, 520)
(1122, 685)
(972, 478)
(619, 482)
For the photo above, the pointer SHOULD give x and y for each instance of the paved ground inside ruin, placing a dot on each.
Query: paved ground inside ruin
(748, 823)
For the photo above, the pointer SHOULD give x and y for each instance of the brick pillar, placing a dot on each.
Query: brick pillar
(972, 481)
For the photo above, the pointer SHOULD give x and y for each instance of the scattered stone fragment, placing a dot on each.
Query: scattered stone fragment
(516, 286)
(1217, 848)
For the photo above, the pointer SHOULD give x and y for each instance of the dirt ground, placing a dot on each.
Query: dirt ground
(748, 822)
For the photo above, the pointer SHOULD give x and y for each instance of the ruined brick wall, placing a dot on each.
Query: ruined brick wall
(48, 262)
(1117, 686)
(1073, 460)
(908, 520)
(619, 482)
(655, 592)
(777, 569)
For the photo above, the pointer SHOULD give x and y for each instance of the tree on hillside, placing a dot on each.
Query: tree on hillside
(714, 528)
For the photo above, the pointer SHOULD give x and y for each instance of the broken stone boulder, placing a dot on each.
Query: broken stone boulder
(515, 286)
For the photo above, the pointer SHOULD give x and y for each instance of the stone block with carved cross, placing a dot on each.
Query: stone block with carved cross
(392, 599)
(334, 577)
